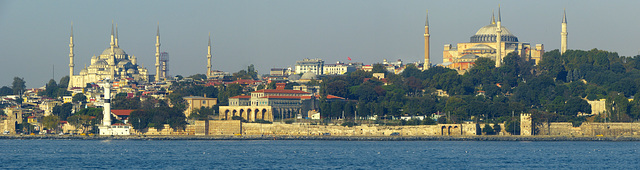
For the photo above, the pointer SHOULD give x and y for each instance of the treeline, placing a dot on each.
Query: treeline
(553, 90)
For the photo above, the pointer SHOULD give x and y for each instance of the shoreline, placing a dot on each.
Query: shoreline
(330, 138)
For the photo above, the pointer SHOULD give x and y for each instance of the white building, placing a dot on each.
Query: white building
(310, 65)
(338, 69)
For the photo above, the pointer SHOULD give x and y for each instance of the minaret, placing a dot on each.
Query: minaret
(498, 40)
(564, 33)
(158, 53)
(427, 63)
(71, 58)
(112, 56)
(113, 44)
(117, 36)
(209, 57)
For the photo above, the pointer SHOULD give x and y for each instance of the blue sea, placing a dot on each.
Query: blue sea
(310, 154)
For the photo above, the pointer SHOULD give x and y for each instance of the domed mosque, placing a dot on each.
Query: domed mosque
(485, 43)
(113, 63)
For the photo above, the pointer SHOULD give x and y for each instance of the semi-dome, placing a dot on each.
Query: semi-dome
(309, 76)
(116, 50)
(488, 34)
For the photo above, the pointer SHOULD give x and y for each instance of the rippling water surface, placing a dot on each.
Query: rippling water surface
(264, 154)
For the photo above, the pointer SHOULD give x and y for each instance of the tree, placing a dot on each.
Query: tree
(18, 85)
(487, 129)
(79, 98)
(51, 122)
(80, 121)
(512, 126)
(5, 91)
(51, 89)
(63, 111)
(139, 119)
(378, 68)
(64, 82)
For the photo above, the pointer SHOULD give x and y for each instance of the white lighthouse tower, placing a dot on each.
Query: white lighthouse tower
(106, 128)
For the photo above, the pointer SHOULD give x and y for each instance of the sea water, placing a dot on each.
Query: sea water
(312, 154)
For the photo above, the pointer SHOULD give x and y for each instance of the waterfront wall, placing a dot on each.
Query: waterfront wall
(363, 130)
(235, 127)
(588, 129)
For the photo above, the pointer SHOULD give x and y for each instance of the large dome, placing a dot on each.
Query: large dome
(488, 34)
(116, 50)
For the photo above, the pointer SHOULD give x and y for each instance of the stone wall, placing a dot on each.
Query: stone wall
(589, 129)
(364, 130)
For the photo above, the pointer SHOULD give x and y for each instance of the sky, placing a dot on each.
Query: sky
(34, 35)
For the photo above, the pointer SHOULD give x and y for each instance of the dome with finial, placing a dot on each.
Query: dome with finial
(488, 33)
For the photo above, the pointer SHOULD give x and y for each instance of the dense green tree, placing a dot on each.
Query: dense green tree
(64, 82)
(63, 111)
(5, 91)
(79, 98)
(18, 86)
(51, 122)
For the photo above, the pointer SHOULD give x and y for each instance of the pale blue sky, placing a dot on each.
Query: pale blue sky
(34, 35)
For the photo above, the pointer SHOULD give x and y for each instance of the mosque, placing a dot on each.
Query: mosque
(491, 41)
(112, 63)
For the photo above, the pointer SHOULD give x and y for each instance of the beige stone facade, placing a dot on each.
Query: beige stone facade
(196, 102)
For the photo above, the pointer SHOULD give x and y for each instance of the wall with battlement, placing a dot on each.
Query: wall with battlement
(364, 130)
(589, 129)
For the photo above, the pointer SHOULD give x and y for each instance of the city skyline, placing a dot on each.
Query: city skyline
(276, 34)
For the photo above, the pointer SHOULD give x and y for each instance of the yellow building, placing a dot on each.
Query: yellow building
(491, 41)
(196, 102)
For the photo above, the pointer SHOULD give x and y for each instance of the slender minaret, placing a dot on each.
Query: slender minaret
(564, 33)
(71, 58)
(112, 56)
(158, 53)
(498, 40)
(113, 44)
(106, 114)
(209, 57)
(427, 63)
(117, 36)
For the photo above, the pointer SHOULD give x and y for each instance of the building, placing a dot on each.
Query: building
(268, 104)
(491, 41)
(310, 65)
(277, 72)
(196, 102)
(339, 68)
(112, 63)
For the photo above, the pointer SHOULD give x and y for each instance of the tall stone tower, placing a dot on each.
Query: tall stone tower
(71, 58)
(526, 125)
(209, 57)
(427, 63)
(498, 40)
(564, 33)
(158, 53)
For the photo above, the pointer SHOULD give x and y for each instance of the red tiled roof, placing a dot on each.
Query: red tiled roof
(333, 97)
(280, 91)
(241, 97)
(285, 97)
(122, 112)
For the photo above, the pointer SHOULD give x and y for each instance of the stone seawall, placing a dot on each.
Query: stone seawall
(589, 129)
(333, 138)
(364, 130)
